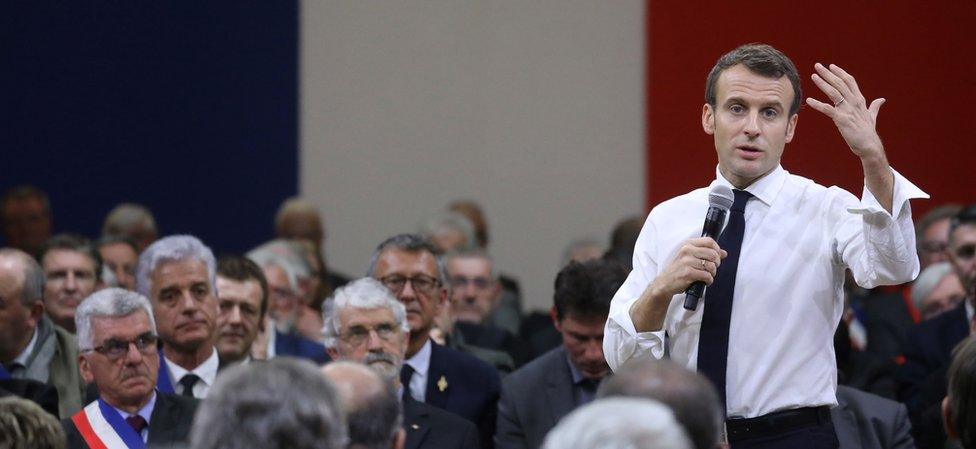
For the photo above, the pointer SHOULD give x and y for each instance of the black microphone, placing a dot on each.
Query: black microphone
(719, 201)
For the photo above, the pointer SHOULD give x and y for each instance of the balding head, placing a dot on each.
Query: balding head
(689, 395)
(371, 405)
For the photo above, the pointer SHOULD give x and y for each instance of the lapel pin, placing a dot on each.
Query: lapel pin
(414, 427)
(442, 384)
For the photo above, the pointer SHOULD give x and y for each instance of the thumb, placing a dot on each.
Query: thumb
(876, 107)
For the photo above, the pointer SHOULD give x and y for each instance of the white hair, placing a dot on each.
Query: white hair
(927, 280)
(175, 248)
(450, 221)
(285, 254)
(127, 216)
(108, 303)
(619, 423)
(364, 293)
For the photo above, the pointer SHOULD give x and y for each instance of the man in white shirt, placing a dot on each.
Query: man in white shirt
(772, 357)
(178, 274)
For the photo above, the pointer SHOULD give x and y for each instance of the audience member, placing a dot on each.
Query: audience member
(44, 395)
(537, 395)
(689, 395)
(25, 425)
(372, 408)
(119, 257)
(959, 406)
(407, 264)
(622, 241)
(449, 231)
(242, 299)
(937, 290)
(178, 275)
(117, 342)
(72, 271)
(284, 269)
(865, 420)
(280, 404)
(298, 218)
(508, 313)
(619, 423)
(363, 308)
(26, 215)
(31, 345)
(133, 222)
(932, 234)
(922, 378)
(581, 250)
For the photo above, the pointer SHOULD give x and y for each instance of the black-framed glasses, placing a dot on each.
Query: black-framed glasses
(358, 335)
(421, 283)
(965, 252)
(115, 349)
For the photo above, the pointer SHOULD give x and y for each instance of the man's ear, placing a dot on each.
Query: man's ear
(85, 369)
(947, 420)
(555, 319)
(399, 440)
(791, 127)
(708, 119)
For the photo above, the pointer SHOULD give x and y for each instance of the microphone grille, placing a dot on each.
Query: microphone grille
(721, 197)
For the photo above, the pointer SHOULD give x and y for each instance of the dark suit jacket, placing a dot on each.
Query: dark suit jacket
(169, 423)
(40, 393)
(301, 347)
(866, 421)
(534, 398)
(470, 388)
(429, 427)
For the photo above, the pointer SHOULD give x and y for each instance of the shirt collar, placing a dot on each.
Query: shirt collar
(22, 358)
(420, 362)
(575, 372)
(145, 412)
(970, 310)
(207, 371)
(765, 188)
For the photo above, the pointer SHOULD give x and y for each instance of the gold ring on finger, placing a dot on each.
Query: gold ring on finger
(703, 264)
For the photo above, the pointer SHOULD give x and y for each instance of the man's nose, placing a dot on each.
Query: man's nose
(71, 282)
(132, 354)
(752, 128)
(594, 350)
(234, 316)
(408, 292)
(375, 342)
(188, 302)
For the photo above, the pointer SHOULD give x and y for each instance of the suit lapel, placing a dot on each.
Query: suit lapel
(559, 390)
(436, 372)
(415, 423)
(845, 424)
(162, 420)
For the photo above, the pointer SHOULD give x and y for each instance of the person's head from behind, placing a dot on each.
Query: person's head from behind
(961, 248)
(26, 216)
(133, 222)
(284, 403)
(623, 239)
(117, 347)
(583, 292)
(472, 211)
(72, 271)
(689, 395)
(936, 290)
(752, 97)
(932, 234)
(449, 231)
(21, 301)
(373, 411)
(618, 423)
(959, 406)
(367, 325)
(25, 425)
(298, 218)
(242, 295)
(475, 290)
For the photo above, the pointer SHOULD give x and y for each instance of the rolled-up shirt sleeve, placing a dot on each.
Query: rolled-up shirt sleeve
(878, 246)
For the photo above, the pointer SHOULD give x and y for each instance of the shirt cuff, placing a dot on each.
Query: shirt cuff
(904, 190)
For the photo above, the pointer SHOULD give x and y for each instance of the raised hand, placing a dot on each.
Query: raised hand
(854, 118)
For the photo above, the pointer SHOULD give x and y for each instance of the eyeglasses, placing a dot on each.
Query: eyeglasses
(933, 246)
(115, 349)
(421, 283)
(480, 283)
(360, 334)
(965, 252)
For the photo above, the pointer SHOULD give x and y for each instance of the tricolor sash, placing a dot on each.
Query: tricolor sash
(102, 427)
(163, 382)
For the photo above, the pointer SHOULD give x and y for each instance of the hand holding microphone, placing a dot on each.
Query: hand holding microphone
(719, 201)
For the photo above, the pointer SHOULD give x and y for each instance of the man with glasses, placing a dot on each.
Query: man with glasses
(928, 350)
(932, 234)
(117, 347)
(368, 325)
(409, 267)
(32, 347)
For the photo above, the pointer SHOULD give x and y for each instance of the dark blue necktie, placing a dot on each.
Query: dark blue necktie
(406, 373)
(713, 341)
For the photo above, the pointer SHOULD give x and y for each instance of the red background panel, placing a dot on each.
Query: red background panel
(921, 57)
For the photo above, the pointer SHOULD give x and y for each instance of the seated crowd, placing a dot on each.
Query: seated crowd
(133, 340)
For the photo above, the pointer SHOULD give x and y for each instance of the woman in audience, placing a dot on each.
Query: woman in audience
(959, 406)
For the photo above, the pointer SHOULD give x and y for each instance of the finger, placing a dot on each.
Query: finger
(834, 80)
(876, 107)
(818, 105)
(849, 81)
(704, 242)
(833, 94)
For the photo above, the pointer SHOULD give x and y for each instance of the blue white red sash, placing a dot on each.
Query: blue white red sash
(102, 427)
(163, 382)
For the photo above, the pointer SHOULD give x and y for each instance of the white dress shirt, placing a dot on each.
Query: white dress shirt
(799, 238)
(207, 371)
(420, 362)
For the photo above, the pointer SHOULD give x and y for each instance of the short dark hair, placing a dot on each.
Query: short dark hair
(585, 289)
(962, 392)
(761, 59)
(73, 242)
(241, 269)
(966, 216)
(688, 394)
(374, 421)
